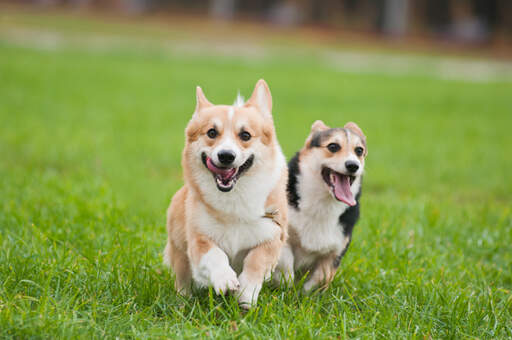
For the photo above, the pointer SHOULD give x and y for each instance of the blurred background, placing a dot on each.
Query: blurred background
(486, 22)
(442, 66)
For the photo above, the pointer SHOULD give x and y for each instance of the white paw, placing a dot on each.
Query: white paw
(248, 292)
(224, 280)
(309, 286)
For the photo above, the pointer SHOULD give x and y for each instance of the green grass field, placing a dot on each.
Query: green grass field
(90, 148)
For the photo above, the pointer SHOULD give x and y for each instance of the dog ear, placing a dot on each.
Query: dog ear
(261, 98)
(357, 130)
(201, 101)
(318, 126)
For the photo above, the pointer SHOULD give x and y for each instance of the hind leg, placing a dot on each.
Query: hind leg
(174, 256)
(323, 273)
(180, 264)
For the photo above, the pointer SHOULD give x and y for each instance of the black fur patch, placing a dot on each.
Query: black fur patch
(347, 221)
(293, 173)
(316, 141)
(337, 260)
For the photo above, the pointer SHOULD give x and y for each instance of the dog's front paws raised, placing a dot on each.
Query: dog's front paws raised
(224, 280)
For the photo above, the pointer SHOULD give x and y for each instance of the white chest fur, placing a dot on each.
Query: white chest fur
(318, 229)
(243, 208)
(316, 223)
(238, 237)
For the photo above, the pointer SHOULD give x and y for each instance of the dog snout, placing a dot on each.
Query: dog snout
(351, 166)
(226, 157)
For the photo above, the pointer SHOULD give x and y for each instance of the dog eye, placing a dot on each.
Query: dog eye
(334, 147)
(359, 150)
(212, 133)
(245, 136)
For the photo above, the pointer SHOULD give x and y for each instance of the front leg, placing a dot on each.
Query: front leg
(261, 260)
(323, 272)
(210, 265)
(258, 265)
(285, 266)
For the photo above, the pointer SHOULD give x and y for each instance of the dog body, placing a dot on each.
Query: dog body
(227, 224)
(324, 188)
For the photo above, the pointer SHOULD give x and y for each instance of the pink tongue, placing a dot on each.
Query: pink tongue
(342, 189)
(224, 173)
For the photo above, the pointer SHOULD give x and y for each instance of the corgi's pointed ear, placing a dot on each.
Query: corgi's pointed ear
(201, 101)
(261, 98)
(319, 126)
(356, 129)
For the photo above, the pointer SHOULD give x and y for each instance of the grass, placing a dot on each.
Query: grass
(90, 145)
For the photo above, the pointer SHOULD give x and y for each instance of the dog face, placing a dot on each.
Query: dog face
(337, 155)
(225, 142)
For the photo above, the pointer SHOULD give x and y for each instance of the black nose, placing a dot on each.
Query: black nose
(351, 166)
(226, 157)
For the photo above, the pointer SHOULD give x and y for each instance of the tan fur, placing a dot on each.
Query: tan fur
(323, 272)
(187, 244)
(176, 249)
(265, 256)
(279, 202)
(261, 260)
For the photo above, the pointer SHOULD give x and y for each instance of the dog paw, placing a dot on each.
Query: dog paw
(225, 280)
(185, 291)
(248, 292)
(309, 286)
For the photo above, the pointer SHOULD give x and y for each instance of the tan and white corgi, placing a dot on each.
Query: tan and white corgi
(324, 187)
(227, 224)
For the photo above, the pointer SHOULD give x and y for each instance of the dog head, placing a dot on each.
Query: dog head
(224, 142)
(336, 157)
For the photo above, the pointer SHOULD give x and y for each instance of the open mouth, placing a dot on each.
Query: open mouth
(225, 178)
(339, 185)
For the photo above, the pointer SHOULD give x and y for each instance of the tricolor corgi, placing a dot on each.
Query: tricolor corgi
(324, 188)
(227, 224)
